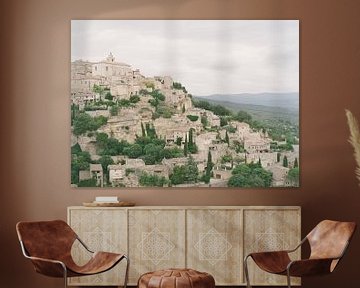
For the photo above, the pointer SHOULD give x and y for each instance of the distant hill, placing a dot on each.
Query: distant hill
(283, 100)
(264, 106)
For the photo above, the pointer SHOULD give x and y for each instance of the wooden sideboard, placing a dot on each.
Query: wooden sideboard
(212, 239)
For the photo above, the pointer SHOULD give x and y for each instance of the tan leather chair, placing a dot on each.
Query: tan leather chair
(328, 242)
(48, 245)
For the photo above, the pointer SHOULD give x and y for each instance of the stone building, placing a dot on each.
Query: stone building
(279, 175)
(223, 174)
(116, 174)
(266, 159)
(96, 172)
(257, 145)
(109, 67)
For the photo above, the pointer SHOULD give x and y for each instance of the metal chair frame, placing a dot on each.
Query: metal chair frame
(23, 249)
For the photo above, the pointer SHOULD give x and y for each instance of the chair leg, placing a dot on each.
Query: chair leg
(288, 278)
(127, 271)
(246, 270)
(65, 276)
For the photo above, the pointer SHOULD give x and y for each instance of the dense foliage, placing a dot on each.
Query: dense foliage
(250, 175)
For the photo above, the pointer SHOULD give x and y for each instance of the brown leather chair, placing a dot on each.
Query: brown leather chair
(328, 242)
(48, 245)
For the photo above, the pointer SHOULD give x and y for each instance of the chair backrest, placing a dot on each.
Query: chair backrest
(329, 239)
(46, 239)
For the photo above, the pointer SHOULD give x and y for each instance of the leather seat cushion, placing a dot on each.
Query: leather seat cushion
(176, 278)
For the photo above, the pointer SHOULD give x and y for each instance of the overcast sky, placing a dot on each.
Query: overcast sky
(207, 57)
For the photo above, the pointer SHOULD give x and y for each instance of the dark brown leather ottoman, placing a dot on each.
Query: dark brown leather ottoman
(176, 278)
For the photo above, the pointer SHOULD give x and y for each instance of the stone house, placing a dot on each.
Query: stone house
(116, 174)
(109, 67)
(279, 175)
(266, 159)
(96, 172)
(257, 145)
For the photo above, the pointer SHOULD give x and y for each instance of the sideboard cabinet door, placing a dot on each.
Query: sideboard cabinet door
(214, 244)
(156, 240)
(101, 230)
(269, 230)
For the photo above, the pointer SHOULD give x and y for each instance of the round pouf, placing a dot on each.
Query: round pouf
(176, 278)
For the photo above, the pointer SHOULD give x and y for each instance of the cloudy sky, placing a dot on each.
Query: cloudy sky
(207, 57)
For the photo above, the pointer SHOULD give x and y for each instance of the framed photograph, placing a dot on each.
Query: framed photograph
(180, 103)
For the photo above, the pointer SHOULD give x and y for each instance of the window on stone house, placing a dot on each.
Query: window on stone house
(107, 68)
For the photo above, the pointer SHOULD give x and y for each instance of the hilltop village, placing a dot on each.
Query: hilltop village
(128, 130)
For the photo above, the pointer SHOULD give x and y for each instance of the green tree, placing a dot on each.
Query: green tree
(79, 161)
(226, 158)
(124, 103)
(105, 161)
(99, 90)
(114, 110)
(296, 163)
(285, 162)
(74, 112)
(187, 173)
(133, 151)
(178, 141)
(164, 111)
(174, 152)
(243, 116)
(81, 123)
(75, 149)
(143, 133)
(223, 121)
(191, 171)
(149, 180)
(186, 146)
(192, 148)
(250, 175)
(150, 131)
(88, 183)
(192, 118)
(84, 123)
(209, 166)
(108, 96)
(293, 176)
(153, 154)
(134, 98)
(227, 138)
(178, 175)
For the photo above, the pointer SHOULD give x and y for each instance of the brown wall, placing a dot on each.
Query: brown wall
(34, 111)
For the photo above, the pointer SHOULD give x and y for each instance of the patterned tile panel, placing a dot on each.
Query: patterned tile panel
(270, 230)
(100, 230)
(157, 241)
(214, 242)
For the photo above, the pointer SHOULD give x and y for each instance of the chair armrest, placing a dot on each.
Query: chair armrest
(48, 267)
(83, 244)
(309, 267)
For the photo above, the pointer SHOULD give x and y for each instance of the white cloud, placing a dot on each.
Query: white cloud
(207, 56)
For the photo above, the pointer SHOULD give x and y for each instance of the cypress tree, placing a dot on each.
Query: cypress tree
(186, 146)
(191, 137)
(285, 162)
(296, 164)
(143, 130)
(227, 138)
